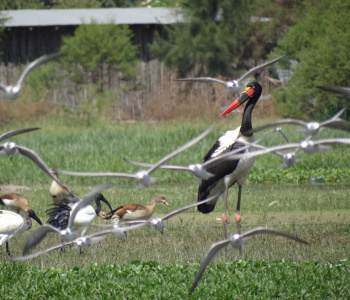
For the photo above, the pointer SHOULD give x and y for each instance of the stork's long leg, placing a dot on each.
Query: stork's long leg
(7, 249)
(238, 210)
(238, 214)
(224, 213)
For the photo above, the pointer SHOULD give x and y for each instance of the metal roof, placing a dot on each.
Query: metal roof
(66, 17)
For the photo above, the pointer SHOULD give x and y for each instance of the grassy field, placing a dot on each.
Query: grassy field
(152, 265)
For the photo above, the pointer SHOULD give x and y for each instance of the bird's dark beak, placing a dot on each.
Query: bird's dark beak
(246, 95)
(106, 201)
(35, 217)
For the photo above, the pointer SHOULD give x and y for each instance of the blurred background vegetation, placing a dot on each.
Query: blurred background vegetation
(219, 38)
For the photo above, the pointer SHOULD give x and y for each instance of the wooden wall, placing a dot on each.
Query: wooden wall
(154, 87)
(21, 45)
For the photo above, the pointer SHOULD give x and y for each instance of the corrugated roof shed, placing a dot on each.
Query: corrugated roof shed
(66, 17)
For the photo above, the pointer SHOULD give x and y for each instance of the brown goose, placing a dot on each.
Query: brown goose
(137, 211)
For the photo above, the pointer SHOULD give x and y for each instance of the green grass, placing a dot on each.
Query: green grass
(68, 144)
(260, 279)
(166, 263)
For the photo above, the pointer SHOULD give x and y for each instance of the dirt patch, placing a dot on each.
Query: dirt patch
(14, 188)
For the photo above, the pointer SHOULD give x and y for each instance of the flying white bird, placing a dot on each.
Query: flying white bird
(233, 86)
(143, 177)
(12, 133)
(345, 91)
(236, 241)
(80, 242)
(12, 92)
(11, 149)
(312, 128)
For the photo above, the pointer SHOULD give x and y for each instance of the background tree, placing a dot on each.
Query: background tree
(118, 3)
(22, 4)
(320, 44)
(211, 36)
(95, 45)
(224, 37)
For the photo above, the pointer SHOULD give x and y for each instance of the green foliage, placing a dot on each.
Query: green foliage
(319, 43)
(23, 4)
(44, 79)
(118, 3)
(64, 4)
(264, 35)
(86, 149)
(48, 4)
(218, 34)
(160, 3)
(96, 44)
(209, 37)
(244, 279)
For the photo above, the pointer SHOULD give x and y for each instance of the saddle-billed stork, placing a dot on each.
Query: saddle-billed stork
(228, 172)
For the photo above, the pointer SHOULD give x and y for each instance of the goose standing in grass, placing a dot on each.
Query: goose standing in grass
(12, 133)
(68, 219)
(11, 149)
(59, 193)
(158, 223)
(137, 211)
(234, 86)
(143, 177)
(232, 171)
(12, 223)
(15, 202)
(236, 241)
(12, 92)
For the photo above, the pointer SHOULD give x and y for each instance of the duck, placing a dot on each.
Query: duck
(137, 211)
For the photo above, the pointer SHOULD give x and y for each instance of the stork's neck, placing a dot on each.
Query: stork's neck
(247, 128)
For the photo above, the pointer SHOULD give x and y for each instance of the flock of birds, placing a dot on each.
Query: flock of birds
(227, 162)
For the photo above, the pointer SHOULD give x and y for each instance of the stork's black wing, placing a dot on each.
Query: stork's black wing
(220, 170)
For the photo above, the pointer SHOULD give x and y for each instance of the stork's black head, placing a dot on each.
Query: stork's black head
(252, 92)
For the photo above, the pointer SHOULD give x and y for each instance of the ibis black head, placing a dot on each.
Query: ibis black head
(99, 197)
